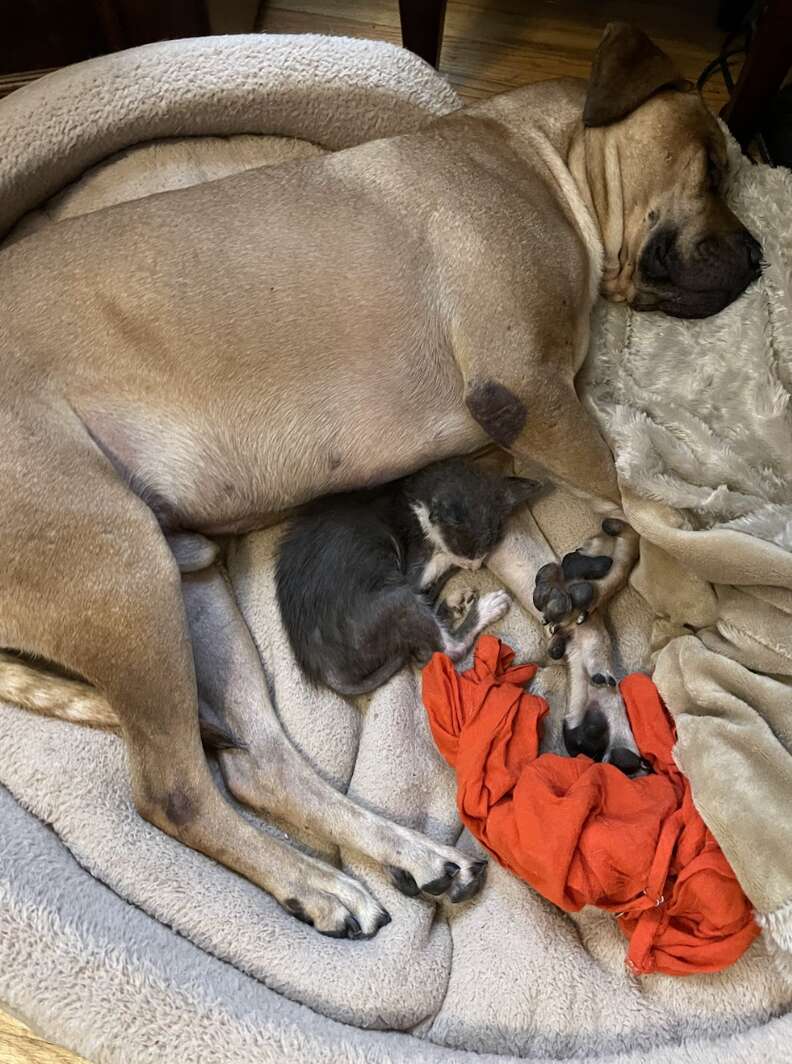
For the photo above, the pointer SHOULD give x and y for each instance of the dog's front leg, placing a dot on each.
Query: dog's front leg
(270, 774)
(595, 719)
(519, 556)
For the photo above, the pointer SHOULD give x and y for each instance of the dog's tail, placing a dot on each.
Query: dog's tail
(51, 694)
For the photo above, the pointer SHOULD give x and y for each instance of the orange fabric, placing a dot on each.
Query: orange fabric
(582, 833)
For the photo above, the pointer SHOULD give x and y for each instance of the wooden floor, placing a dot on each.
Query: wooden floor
(18, 1045)
(489, 46)
(493, 45)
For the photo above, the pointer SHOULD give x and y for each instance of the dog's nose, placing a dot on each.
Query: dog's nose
(590, 737)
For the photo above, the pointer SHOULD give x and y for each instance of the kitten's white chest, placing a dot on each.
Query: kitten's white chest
(442, 559)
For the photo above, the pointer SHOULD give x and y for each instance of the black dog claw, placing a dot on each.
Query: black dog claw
(352, 928)
(465, 891)
(442, 883)
(601, 679)
(293, 906)
(557, 647)
(404, 882)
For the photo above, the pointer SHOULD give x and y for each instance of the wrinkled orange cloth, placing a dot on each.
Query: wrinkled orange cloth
(580, 832)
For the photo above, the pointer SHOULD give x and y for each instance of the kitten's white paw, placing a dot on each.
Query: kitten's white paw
(493, 606)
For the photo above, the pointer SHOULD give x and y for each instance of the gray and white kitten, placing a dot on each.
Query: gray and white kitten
(359, 575)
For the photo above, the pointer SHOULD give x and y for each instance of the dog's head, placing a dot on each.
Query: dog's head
(655, 159)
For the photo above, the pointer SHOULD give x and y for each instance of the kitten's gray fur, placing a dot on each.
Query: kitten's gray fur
(359, 575)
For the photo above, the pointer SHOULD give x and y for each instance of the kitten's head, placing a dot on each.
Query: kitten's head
(465, 509)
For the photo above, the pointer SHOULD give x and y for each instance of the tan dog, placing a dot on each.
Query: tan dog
(200, 361)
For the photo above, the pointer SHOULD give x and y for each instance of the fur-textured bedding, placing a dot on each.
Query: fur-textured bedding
(700, 420)
(124, 945)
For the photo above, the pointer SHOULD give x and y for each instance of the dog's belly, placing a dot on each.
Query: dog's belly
(232, 466)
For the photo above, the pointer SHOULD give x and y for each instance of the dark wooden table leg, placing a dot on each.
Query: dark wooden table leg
(422, 27)
(763, 73)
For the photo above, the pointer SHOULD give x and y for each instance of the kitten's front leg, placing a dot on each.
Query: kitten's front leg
(480, 611)
(432, 581)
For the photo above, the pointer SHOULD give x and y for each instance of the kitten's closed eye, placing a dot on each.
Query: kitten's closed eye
(447, 512)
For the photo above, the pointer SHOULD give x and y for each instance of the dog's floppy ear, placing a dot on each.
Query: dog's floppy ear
(520, 490)
(626, 71)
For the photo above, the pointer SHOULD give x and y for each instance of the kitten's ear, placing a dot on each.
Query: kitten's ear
(520, 490)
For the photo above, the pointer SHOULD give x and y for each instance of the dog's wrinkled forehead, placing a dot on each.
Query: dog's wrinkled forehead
(673, 148)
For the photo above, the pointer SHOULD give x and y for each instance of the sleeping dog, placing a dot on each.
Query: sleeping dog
(200, 361)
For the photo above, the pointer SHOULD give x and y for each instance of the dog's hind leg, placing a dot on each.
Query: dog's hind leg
(87, 581)
(270, 774)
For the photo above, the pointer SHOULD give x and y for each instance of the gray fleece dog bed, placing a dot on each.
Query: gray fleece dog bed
(125, 946)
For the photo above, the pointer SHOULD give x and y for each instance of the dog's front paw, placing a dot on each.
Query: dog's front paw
(565, 594)
(439, 872)
(596, 722)
(335, 905)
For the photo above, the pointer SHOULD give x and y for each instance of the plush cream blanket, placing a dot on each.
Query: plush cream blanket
(122, 944)
(699, 417)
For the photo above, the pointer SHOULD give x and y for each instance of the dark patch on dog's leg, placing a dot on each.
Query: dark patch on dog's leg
(499, 412)
(179, 808)
(468, 623)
